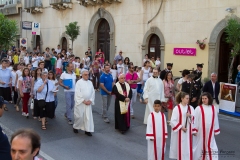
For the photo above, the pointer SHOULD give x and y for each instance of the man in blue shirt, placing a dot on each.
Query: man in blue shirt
(106, 84)
(4, 144)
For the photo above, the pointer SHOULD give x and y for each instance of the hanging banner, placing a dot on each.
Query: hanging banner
(26, 25)
(35, 28)
(228, 93)
(23, 42)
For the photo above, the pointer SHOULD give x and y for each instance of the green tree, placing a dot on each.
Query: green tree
(233, 37)
(8, 32)
(73, 30)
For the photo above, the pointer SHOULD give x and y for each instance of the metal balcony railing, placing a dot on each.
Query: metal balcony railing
(59, 1)
(7, 2)
(32, 3)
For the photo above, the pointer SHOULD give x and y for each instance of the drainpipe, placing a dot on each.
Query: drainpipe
(156, 13)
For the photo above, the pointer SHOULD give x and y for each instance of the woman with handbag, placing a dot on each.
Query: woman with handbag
(37, 76)
(45, 98)
(169, 93)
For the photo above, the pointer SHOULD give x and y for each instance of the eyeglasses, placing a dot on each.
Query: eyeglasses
(85, 74)
(120, 52)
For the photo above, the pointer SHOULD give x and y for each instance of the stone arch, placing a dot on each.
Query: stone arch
(93, 27)
(147, 36)
(213, 54)
(33, 41)
(64, 35)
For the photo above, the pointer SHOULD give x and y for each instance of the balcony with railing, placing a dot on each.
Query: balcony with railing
(60, 4)
(10, 7)
(33, 6)
(96, 2)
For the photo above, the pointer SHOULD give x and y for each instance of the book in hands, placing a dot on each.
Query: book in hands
(68, 82)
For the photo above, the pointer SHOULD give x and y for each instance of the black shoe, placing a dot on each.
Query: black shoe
(88, 133)
(27, 117)
(75, 130)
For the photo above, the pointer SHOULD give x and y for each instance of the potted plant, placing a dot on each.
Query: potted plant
(201, 44)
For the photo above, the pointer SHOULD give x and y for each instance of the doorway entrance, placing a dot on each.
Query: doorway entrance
(38, 41)
(154, 47)
(64, 43)
(103, 38)
(225, 60)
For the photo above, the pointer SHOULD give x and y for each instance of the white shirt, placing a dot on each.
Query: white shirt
(26, 60)
(59, 63)
(157, 62)
(68, 54)
(120, 68)
(86, 62)
(114, 73)
(35, 63)
(145, 73)
(19, 73)
(181, 80)
(76, 65)
(58, 50)
(72, 76)
(14, 74)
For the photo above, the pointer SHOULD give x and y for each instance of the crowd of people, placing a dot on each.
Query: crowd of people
(34, 78)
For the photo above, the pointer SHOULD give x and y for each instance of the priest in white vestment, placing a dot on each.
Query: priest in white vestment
(182, 129)
(206, 127)
(84, 99)
(153, 90)
(156, 133)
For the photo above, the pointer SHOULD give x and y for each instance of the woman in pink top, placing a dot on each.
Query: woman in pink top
(169, 93)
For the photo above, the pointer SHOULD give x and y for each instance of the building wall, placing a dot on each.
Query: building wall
(181, 22)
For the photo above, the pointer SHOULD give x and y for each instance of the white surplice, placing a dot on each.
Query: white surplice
(206, 126)
(153, 90)
(83, 118)
(181, 142)
(157, 130)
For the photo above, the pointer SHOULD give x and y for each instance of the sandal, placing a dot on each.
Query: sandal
(5, 109)
(17, 108)
(44, 127)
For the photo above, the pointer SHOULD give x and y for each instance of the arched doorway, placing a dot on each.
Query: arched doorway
(38, 41)
(154, 47)
(103, 38)
(225, 60)
(64, 43)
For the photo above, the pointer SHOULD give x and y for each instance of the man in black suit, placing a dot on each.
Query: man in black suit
(213, 87)
(168, 69)
(198, 74)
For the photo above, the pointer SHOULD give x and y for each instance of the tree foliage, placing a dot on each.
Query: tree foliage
(8, 32)
(233, 37)
(73, 30)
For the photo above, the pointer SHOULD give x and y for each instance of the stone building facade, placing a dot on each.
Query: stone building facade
(137, 27)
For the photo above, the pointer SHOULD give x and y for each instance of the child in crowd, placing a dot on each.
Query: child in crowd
(64, 63)
(120, 67)
(15, 58)
(26, 59)
(156, 133)
(80, 70)
(51, 77)
(113, 71)
(59, 65)
(77, 66)
(139, 88)
(158, 62)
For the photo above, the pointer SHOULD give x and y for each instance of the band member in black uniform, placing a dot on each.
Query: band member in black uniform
(193, 89)
(198, 73)
(168, 69)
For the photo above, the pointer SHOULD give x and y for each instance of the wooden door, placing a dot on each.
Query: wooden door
(154, 47)
(64, 43)
(103, 38)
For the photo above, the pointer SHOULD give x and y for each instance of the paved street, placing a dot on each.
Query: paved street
(60, 143)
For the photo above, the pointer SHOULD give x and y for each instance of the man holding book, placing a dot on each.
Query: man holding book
(67, 81)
